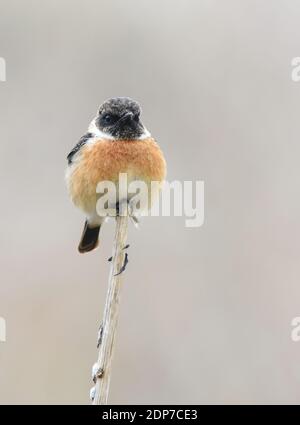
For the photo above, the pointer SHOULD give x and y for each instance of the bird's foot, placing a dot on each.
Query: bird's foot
(122, 208)
(132, 215)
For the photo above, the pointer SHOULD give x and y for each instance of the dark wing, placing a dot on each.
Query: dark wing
(79, 145)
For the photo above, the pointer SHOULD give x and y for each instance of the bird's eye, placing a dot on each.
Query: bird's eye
(137, 117)
(107, 118)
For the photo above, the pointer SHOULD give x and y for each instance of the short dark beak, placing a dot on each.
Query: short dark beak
(127, 117)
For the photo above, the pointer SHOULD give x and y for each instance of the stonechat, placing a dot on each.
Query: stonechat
(117, 142)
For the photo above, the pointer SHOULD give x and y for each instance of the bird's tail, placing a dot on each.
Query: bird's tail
(89, 238)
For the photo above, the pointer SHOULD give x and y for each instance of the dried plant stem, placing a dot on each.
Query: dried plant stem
(111, 313)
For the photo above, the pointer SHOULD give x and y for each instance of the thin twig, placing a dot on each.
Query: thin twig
(102, 369)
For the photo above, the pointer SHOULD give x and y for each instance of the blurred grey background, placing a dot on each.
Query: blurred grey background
(206, 312)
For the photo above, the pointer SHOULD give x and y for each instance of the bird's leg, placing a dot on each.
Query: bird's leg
(117, 214)
(122, 208)
(132, 215)
(117, 209)
(126, 246)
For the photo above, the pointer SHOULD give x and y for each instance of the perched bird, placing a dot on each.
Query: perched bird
(116, 142)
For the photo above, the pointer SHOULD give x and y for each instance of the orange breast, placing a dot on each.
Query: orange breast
(106, 159)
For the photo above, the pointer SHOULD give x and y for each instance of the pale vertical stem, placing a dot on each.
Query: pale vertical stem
(111, 313)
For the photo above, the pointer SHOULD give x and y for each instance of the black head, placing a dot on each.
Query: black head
(120, 118)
